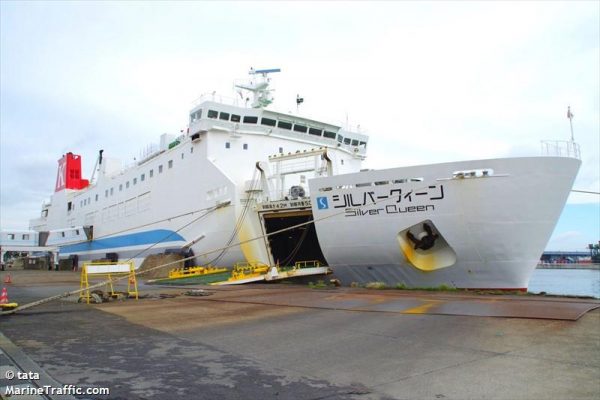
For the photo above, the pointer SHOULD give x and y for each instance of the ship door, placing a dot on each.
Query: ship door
(298, 244)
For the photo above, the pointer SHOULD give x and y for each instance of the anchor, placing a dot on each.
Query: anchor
(427, 241)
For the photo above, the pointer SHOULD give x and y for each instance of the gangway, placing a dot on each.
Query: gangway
(257, 272)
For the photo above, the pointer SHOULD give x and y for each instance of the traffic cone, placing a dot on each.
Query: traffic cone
(4, 296)
(7, 278)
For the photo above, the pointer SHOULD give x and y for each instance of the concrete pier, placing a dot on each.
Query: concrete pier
(292, 342)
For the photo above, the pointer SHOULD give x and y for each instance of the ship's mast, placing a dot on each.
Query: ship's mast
(570, 116)
(259, 86)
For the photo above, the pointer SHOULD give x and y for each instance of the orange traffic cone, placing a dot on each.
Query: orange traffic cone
(7, 278)
(4, 296)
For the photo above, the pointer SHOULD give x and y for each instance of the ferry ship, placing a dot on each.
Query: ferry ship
(296, 186)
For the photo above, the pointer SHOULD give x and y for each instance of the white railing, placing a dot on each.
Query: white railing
(148, 151)
(561, 148)
(232, 101)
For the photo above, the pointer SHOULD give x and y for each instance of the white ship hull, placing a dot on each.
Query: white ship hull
(495, 227)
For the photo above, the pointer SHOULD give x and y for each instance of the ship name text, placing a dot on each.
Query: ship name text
(389, 209)
(357, 204)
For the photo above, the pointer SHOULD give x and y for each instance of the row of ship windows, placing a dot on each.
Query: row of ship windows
(26, 236)
(248, 119)
(228, 145)
(366, 184)
(12, 236)
(111, 191)
(245, 147)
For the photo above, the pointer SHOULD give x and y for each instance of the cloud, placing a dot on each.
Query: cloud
(430, 82)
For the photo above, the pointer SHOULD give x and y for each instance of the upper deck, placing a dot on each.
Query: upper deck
(216, 113)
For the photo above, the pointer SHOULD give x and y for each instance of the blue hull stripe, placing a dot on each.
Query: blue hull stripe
(133, 239)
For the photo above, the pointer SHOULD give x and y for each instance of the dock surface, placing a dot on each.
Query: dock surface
(293, 342)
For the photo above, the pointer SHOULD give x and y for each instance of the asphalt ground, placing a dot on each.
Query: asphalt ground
(285, 347)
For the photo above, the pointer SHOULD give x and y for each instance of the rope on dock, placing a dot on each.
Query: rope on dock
(113, 280)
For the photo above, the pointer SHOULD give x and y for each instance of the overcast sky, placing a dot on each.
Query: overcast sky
(429, 82)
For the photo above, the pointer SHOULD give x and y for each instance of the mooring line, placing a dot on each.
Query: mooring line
(113, 280)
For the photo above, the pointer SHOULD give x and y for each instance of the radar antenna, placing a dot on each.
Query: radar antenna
(259, 86)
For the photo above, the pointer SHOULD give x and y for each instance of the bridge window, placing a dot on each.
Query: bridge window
(300, 128)
(26, 236)
(250, 119)
(315, 131)
(196, 116)
(347, 140)
(224, 116)
(328, 134)
(340, 138)
(212, 114)
(11, 236)
(354, 142)
(268, 122)
(284, 125)
(235, 118)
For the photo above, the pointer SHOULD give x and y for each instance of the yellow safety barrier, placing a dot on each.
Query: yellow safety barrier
(247, 270)
(108, 270)
(307, 264)
(194, 271)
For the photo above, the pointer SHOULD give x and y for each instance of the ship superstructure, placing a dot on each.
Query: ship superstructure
(195, 191)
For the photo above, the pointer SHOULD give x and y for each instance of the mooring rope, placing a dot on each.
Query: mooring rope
(138, 273)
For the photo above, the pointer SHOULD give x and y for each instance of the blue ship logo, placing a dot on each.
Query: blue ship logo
(322, 203)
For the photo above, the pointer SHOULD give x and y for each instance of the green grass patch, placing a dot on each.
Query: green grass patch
(319, 285)
(376, 285)
(403, 286)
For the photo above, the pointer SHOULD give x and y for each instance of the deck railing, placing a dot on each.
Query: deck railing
(561, 148)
